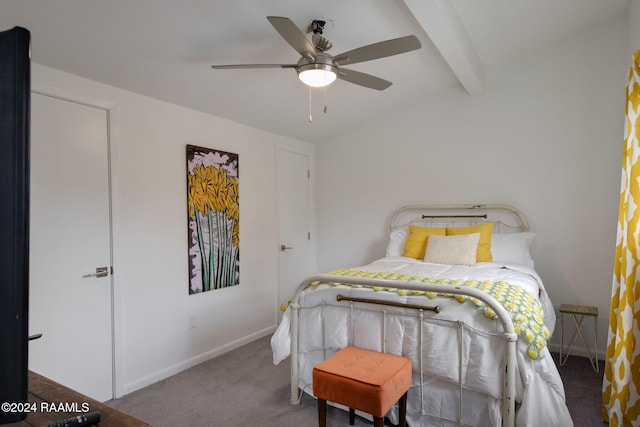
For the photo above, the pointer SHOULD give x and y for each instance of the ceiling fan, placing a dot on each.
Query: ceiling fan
(317, 68)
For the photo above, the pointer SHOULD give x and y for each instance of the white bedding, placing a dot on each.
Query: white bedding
(325, 327)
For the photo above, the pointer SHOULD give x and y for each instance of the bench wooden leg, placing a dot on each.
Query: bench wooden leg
(378, 421)
(352, 416)
(403, 410)
(322, 413)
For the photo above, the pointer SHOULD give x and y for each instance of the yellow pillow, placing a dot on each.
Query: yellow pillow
(484, 247)
(417, 240)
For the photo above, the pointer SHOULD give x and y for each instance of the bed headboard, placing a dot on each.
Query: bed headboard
(506, 218)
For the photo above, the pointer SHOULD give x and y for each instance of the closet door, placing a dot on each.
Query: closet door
(294, 219)
(70, 246)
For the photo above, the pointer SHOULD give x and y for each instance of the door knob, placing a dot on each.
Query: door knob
(285, 247)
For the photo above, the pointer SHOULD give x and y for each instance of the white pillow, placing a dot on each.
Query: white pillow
(397, 240)
(512, 248)
(453, 250)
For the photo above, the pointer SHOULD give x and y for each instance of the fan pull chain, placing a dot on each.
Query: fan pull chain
(310, 116)
(324, 93)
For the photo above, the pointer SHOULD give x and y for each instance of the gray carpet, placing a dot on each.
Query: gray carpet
(244, 388)
(583, 390)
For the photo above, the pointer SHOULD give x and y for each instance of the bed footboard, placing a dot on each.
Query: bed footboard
(508, 334)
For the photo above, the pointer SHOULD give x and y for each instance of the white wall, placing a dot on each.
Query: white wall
(150, 236)
(633, 24)
(547, 138)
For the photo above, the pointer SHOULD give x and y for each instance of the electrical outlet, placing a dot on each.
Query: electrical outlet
(193, 321)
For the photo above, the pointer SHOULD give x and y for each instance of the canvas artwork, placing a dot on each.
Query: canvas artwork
(214, 227)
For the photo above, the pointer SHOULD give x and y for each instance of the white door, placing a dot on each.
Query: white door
(70, 236)
(294, 217)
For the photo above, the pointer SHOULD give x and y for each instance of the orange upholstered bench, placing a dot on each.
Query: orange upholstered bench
(366, 380)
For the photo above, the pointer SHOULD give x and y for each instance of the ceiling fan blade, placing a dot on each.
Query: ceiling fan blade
(294, 36)
(240, 66)
(379, 50)
(363, 79)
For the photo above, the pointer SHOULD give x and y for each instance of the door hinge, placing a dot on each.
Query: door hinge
(309, 235)
(308, 174)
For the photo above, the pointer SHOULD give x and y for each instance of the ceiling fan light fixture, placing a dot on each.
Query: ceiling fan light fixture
(317, 75)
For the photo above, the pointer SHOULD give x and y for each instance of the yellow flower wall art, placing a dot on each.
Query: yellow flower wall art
(214, 220)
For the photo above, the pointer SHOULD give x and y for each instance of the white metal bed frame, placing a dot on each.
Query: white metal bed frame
(502, 216)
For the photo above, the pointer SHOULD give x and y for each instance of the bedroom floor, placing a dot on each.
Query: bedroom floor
(244, 388)
(583, 390)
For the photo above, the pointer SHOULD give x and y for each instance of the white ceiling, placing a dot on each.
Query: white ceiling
(164, 49)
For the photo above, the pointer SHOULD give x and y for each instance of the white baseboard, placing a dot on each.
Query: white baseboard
(179, 367)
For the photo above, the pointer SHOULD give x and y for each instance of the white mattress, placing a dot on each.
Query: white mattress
(326, 326)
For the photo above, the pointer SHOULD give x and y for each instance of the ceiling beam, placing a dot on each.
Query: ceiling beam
(442, 24)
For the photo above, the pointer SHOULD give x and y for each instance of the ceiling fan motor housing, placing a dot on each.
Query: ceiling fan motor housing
(321, 62)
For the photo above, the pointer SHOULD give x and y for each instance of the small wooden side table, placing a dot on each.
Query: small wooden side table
(579, 314)
(42, 391)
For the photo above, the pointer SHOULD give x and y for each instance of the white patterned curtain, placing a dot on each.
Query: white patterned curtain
(620, 399)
